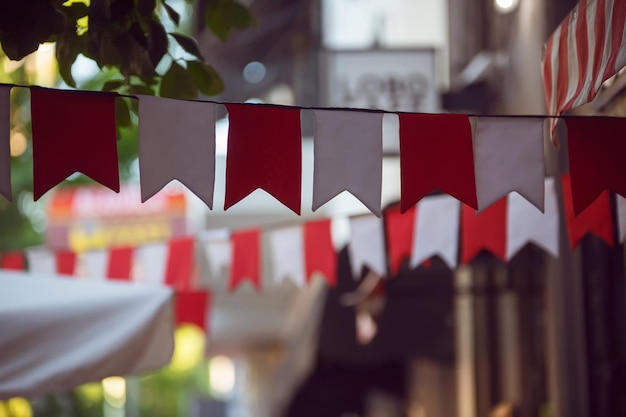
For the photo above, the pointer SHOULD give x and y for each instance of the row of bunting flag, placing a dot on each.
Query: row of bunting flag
(477, 160)
(438, 226)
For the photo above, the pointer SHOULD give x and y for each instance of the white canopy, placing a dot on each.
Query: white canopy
(57, 333)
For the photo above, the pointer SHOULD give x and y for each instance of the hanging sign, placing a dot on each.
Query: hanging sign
(395, 80)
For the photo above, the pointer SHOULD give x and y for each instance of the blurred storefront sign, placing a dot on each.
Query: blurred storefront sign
(93, 217)
(395, 80)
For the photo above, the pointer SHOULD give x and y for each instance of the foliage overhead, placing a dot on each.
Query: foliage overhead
(141, 47)
(128, 35)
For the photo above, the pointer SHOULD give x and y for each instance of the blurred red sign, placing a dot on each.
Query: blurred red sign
(94, 217)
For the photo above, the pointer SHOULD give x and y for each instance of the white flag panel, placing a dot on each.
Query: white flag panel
(509, 156)
(367, 245)
(287, 250)
(436, 230)
(348, 150)
(177, 141)
(150, 264)
(526, 224)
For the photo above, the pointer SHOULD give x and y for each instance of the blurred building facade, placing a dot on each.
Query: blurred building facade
(534, 337)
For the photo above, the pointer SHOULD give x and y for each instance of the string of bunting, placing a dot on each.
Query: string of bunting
(475, 159)
(438, 225)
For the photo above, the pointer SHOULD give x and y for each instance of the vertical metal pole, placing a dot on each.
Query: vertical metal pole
(464, 309)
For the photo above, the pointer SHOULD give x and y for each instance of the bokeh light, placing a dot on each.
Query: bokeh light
(505, 6)
(188, 350)
(221, 376)
(18, 143)
(15, 407)
(114, 388)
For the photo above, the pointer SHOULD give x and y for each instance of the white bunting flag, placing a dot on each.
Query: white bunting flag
(94, 264)
(41, 261)
(526, 224)
(367, 245)
(436, 230)
(348, 157)
(621, 217)
(176, 141)
(508, 156)
(5, 141)
(150, 264)
(218, 251)
(287, 251)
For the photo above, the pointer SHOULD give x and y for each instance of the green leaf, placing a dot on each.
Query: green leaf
(188, 44)
(134, 106)
(213, 17)
(68, 46)
(173, 14)
(149, 81)
(239, 15)
(17, 47)
(138, 34)
(146, 7)
(122, 112)
(178, 83)
(135, 59)
(224, 15)
(102, 48)
(75, 10)
(119, 9)
(206, 78)
(141, 89)
(157, 42)
(26, 24)
(112, 85)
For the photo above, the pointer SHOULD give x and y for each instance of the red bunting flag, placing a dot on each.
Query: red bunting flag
(597, 158)
(180, 263)
(436, 154)
(596, 218)
(246, 264)
(13, 261)
(65, 263)
(399, 228)
(73, 132)
(120, 264)
(264, 151)
(319, 252)
(484, 230)
(192, 308)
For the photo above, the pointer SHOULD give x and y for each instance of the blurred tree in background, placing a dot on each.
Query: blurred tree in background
(139, 46)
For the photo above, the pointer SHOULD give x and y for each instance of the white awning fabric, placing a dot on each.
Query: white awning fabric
(57, 333)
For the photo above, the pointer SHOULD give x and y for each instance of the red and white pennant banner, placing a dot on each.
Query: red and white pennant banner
(476, 160)
(438, 226)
